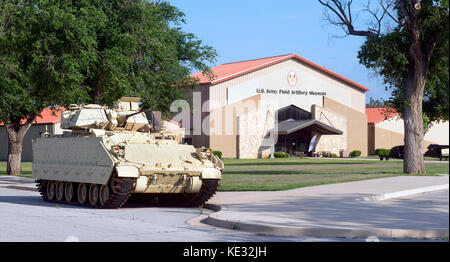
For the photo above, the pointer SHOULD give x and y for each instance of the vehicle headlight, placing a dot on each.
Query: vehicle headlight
(204, 153)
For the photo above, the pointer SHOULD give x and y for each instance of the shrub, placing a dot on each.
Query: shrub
(281, 155)
(382, 151)
(334, 155)
(218, 154)
(355, 153)
(379, 151)
(326, 154)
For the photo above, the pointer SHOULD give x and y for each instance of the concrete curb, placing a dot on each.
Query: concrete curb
(214, 220)
(205, 212)
(405, 193)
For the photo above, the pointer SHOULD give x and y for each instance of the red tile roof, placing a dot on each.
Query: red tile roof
(231, 70)
(47, 117)
(379, 114)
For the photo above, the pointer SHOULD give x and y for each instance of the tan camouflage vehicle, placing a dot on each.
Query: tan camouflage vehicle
(110, 154)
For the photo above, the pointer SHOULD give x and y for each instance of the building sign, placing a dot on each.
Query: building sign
(289, 92)
(292, 80)
(284, 86)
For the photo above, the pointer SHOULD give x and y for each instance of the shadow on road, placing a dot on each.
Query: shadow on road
(25, 200)
(37, 201)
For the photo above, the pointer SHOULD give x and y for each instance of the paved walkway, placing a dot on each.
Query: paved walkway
(341, 210)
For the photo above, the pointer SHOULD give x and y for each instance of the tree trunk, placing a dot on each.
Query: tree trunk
(97, 90)
(16, 133)
(14, 155)
(413, 118)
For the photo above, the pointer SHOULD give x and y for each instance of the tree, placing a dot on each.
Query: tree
(143, 51)
(64, 52)
(375, 103)
(412, 58)
(44, 49)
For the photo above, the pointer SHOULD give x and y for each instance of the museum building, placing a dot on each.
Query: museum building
(287, 103)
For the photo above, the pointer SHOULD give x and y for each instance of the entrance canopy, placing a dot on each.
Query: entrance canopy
(290, 126)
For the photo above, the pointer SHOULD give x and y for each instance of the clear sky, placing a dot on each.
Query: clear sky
(251, 29)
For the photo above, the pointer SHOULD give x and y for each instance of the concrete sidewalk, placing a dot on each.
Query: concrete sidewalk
(16, 182)
(350, 210)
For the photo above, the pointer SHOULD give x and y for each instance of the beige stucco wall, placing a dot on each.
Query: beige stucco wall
(387, 139)
(438, 132)
(390, 133)
(356, 131)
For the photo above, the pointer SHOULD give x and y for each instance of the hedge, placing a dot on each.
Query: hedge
(281, 155)
(382, 151)
(218, 154)
(355, 153)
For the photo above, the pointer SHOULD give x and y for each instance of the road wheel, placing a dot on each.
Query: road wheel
(104, 194)
(50, 190)
(59, 190)
(68, 191)
(93, 194)
(82, 193)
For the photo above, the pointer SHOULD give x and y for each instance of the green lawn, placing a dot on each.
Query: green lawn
(427, 158)
(283, 174)
(289, 173)
(26, 169)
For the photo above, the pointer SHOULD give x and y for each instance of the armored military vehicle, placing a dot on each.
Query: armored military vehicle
(107, 155)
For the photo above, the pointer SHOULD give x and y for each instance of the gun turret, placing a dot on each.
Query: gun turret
(137, 113)
(123, 118)
(85, 117)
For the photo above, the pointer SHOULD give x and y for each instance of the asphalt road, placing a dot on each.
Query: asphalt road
(25, 217)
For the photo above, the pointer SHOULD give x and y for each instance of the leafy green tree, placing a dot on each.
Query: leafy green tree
(142, 51)
(375, 103)
(44, 48)
(63, 52)
(412, 58)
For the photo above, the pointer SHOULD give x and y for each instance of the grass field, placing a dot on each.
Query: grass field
(283, 174)
(26, 169)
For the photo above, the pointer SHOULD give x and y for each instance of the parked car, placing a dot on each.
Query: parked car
(435, 150)
(397, 152)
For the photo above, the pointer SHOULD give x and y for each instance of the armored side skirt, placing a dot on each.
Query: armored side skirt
(86, 160)
(75, 159)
